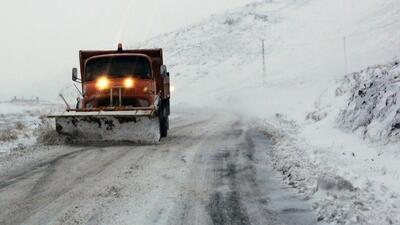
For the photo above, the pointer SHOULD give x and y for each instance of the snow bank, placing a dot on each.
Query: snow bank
(356, 180)
(373, 109)
(339, 194)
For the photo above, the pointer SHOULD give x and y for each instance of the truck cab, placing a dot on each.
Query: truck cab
(123, 79)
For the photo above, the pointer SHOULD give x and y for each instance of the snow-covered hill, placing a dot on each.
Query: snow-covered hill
(212, 61)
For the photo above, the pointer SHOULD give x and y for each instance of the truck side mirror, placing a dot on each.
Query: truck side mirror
(74, 74)
(163, 70)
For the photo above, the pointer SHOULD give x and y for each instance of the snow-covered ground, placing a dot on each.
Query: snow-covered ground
(373, 109)
(20, 123)
(212, 169)
(306, 100)
(352, 134)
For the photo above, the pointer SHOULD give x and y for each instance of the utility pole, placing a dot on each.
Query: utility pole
(263, 57)
(346, 64)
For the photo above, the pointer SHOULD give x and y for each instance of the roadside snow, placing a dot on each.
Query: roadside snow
(19, 123)
(344, 153)
(347, 184)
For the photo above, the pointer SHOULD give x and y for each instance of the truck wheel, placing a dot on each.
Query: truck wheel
(164, 126)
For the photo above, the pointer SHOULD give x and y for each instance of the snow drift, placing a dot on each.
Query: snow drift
(373, 109)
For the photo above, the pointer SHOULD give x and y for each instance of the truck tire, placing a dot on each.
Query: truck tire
(164, 126)
(164, 120)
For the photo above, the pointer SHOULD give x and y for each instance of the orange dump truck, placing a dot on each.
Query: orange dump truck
(125, 97)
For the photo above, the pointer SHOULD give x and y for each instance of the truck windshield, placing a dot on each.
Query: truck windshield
(119, 66)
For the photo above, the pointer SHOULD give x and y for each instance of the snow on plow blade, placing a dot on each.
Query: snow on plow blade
(139, 126)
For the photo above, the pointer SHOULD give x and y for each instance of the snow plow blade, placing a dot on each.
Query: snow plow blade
(139, 126)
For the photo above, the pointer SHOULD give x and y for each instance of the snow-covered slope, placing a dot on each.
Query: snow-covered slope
(212, 61)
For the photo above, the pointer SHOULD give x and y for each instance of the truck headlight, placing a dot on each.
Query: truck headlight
(102, 83)
(128, 83)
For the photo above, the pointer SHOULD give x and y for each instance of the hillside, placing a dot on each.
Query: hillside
(305, 99)
(211, 61)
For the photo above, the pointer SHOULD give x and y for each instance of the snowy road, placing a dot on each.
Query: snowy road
(212, 169)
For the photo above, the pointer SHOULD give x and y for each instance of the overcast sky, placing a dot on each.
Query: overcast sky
(40, 39)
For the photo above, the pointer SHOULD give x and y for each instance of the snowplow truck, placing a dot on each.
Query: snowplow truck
(125, 96)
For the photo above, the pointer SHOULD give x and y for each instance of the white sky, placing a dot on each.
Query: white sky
(40, 39)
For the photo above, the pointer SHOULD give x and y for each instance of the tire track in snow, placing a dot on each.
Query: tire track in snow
(45, 185)
(240, 202)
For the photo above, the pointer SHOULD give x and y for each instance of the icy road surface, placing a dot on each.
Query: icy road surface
(212, 169)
